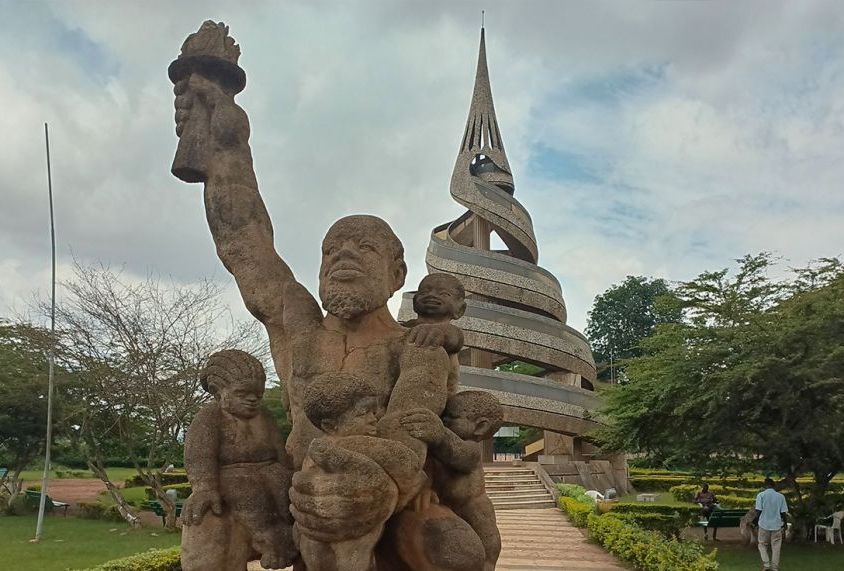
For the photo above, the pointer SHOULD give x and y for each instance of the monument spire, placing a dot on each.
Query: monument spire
(482, 136)
(514, 308)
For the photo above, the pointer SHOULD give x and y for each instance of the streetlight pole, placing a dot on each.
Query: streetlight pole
(45, 480)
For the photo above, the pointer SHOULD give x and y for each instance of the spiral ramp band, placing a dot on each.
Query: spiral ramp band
(515, 308)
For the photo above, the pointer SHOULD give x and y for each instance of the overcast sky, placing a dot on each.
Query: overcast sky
(655, 138)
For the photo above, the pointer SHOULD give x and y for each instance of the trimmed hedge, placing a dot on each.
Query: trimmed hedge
(648, 550)
(647, 507)
(667, 525)
(687, 492)
(668, 520)
(153, 560)
(663, 483)
(738, 497)
(578, 512)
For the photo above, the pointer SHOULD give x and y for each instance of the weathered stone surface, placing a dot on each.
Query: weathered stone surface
(239, 471)
(344, 372)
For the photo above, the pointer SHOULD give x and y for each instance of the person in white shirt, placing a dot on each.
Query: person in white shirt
(771, 510)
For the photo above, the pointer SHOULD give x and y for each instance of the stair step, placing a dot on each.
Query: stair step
(517, 493)
(516, 485)
(523, 498)
(525, 478)
(533, 504)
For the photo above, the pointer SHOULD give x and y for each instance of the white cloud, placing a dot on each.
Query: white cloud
(707, 131)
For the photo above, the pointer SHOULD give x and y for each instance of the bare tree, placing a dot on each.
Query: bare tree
(136, 348)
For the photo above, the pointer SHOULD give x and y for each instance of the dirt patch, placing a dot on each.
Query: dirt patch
(73, 491)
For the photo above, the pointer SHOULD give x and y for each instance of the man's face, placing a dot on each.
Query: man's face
(359, 271)
(360, 420)
(438, 296)
(243, 399)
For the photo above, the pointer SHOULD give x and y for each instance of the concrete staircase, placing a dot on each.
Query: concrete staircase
(513, 488)
(544, 540)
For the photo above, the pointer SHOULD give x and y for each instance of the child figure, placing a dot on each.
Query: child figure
(455, 446)
(439, 300)
(236, 461)
(345, 408)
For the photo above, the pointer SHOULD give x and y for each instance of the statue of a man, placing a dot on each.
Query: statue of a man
(362, 266)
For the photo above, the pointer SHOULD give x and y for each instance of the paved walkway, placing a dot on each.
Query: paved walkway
(544, 540)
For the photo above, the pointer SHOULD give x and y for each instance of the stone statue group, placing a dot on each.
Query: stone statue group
(383, 467)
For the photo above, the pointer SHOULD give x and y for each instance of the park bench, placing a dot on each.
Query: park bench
(155, 506)
(35, 496)
(720, 518)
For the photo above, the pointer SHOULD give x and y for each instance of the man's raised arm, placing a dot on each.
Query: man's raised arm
(214, 149)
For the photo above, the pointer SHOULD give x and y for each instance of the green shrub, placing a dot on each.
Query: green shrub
(576, 492)
(94, 510)
(687, 513)
(736, 502)
(667, 525)
(578, 512)
(34, 488)
(176, 477)
(742, 497)
(687, 492)
(648, 550)
(153, 560)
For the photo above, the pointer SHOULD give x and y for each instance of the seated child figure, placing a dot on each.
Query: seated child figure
(236, 460)
(457, 470)
(345, 408)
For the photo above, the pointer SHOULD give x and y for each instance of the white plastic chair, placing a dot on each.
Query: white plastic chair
(595, 495)
(829, 530)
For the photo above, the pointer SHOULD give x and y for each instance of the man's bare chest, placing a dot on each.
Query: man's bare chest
(321, 351)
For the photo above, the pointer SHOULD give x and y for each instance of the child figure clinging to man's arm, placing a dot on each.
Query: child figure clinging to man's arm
(235, 458)
(439, 300)
(455, 444)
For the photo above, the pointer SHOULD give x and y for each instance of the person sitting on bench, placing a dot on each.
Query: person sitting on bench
(707, 501)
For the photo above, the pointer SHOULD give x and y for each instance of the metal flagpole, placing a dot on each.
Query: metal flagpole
(45, 481)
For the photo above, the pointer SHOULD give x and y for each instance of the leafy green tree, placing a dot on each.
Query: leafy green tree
(624, 315)
(23, 408)
(521, 368)
(750, 380)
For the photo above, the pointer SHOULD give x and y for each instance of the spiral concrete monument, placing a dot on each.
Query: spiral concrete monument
(514, 308)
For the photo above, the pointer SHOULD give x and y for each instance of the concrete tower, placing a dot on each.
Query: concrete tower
(515, 308)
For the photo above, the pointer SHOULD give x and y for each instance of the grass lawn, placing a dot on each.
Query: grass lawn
(135, 496)
(71, 543)
(807, 557)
